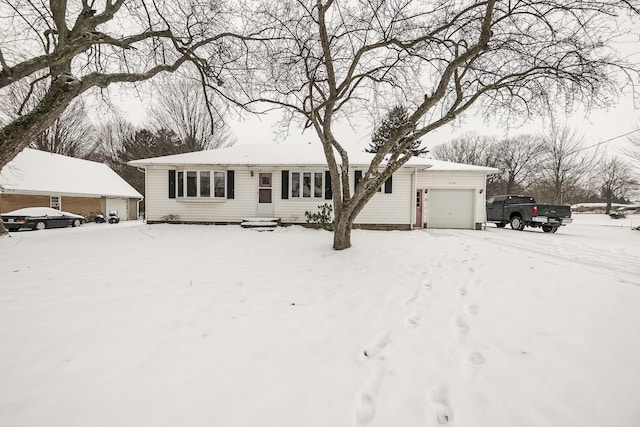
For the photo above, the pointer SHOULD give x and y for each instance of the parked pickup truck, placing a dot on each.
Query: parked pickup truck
(521, 211)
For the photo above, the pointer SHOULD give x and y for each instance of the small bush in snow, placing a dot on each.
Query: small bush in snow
(324, 217)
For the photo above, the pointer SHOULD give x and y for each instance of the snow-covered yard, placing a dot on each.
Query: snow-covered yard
(169, 325)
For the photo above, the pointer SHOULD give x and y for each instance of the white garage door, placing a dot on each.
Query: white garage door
(119, 205)
(450, 209)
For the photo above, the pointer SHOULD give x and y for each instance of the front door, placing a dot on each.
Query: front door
(265, 193)
(418, 209)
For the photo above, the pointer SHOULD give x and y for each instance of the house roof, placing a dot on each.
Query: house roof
(292, 154)
(37, 172)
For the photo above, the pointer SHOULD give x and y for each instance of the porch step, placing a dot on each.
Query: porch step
(260, 223)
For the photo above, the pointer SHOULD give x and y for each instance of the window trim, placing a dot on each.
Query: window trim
(312, 174)
(58, 202)
(181, 193)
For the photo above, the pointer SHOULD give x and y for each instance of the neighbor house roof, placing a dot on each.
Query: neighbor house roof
(292, 154)
(37, 172)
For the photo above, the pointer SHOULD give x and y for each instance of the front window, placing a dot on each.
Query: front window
(192, 184)
(197, 184)
(295, 184)
(205, 184)
(307, 185)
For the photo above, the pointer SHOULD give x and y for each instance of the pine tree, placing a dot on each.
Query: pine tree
(397, 117)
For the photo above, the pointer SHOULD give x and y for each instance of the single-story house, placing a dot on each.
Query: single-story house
(41, 179)
(283, 181)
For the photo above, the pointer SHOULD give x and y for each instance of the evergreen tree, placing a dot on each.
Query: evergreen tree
(397, 117)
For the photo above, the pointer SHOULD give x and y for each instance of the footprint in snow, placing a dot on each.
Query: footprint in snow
(472, 309)
(365, 401)
(365, 407)
(412, 320)
(461, 328)
(472, 362)
(427, 285)
(440, 406)
(462, 291)
(375, 347)
(411, 298)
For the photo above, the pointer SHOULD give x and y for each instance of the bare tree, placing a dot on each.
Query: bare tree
(198, 122)
(616, 180)
(71, 134)
(74, 47)
(473, 149)
(110, 137)
(517, 159)
(564, 162)
(633, 151)
(470, 148)
(437, 58)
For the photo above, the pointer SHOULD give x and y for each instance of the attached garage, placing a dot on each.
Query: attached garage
(449, 208)
(453, 195)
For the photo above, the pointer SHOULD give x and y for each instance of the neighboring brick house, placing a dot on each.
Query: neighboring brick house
(37, 178)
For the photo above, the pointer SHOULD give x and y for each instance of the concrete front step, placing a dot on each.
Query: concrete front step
(261, 219)
(260, 223)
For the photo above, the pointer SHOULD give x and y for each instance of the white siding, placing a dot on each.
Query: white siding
(397, 208)
(454, 180)
(392, 208)
(158, 203)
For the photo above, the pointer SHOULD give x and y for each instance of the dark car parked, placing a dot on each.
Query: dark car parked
(40, 218)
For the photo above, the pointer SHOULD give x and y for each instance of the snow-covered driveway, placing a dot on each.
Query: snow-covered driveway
(164, 325)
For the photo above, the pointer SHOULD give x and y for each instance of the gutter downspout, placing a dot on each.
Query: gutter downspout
(145, 190)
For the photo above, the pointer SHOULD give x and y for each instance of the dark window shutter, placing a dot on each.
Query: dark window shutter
(285, 185)
(328, 194)
(388, 185)
(357, 179)
(172, 184)
(231, 185)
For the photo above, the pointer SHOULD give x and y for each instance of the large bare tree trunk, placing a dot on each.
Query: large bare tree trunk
(15, 136)
(342, 233)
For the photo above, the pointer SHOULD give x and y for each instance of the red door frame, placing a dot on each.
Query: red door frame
(419, 203)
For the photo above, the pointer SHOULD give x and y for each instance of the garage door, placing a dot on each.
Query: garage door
(119, 205)
(450, 209)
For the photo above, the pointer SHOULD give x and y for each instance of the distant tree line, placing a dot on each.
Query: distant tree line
(180, 121)
(553, 166)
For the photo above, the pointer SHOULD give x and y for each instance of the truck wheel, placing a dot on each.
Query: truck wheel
(500, 224)
(547, 228)
(516, 223)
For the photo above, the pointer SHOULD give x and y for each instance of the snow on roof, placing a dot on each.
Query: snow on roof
(34, 171)
(290, 154)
